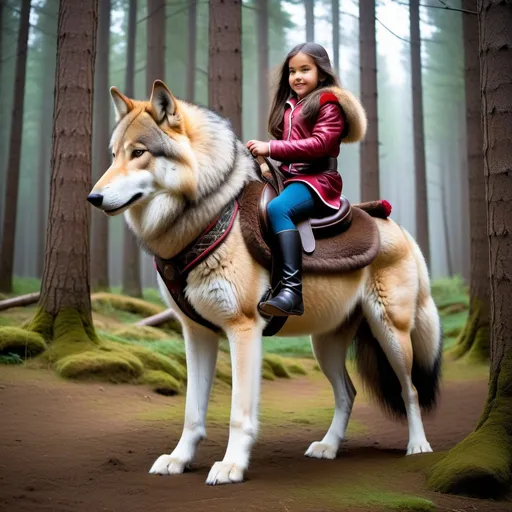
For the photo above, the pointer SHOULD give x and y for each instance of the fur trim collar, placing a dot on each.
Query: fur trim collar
(354, 112)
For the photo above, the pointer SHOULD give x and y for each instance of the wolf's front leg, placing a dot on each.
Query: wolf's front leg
(245, 345)
(201, 347)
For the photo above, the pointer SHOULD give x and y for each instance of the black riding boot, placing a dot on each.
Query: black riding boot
(289, 299)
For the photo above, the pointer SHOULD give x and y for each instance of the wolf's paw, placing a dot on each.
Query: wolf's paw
(168, 465)
(320, 450)
(418, 447)
(225, 473)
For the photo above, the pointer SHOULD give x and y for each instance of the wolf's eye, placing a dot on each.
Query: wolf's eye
(138, 152)
(113, 155)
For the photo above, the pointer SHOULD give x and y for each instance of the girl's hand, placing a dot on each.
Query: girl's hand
(258, 148)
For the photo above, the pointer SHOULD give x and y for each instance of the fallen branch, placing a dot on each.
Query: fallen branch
(158, 319)
(22, 300)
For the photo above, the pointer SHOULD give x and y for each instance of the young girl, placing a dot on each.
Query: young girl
(308, 123)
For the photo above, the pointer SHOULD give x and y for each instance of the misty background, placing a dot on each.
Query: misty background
(443, 107)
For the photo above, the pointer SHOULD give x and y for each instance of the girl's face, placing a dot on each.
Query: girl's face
(303, 75)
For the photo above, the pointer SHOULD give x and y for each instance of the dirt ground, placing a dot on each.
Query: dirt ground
(68, 446)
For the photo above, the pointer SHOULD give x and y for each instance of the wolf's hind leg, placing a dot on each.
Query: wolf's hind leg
(245, 346)
(201, 346)
(330, 351)
(390, 320)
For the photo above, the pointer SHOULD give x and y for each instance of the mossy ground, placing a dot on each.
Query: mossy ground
(473, 342)
(117, 351)
(481, 464)
(117, 340)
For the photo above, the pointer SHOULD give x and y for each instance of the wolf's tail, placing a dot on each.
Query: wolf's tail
(426, 337)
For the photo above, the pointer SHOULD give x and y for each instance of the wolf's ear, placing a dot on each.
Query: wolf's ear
(163, 103)
(122, 104)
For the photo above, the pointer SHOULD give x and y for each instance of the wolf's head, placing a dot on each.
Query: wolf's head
(167, 154)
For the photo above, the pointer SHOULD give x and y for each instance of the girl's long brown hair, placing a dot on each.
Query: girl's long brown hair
(310, 109)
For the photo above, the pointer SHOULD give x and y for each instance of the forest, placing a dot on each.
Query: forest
(89, 346)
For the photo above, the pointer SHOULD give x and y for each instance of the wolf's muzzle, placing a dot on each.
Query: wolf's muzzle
(95, 199)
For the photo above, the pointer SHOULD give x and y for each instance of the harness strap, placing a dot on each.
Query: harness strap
(174, 271)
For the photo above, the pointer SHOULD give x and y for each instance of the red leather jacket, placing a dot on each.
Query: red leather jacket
(305, 147)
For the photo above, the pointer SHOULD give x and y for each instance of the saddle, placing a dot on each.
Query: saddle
(309, 229)
(345, 241)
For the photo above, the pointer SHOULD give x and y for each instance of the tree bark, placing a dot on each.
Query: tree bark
(100, 151)
(474, 339)
(335, 6)
(263, 57)
(446, 230)
(190, 93)
(48, 25)
(131, 253)
(481, 464)
(225, 62)
(1, 47)
(2, 167)
(65, 301)
(420, 172)
(310, 20)
(370, 145)
(13, 165)
(155, 43)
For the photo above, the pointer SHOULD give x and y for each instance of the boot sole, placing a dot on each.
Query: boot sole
(270, 310)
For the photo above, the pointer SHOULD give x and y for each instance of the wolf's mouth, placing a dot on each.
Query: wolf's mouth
(138, 195)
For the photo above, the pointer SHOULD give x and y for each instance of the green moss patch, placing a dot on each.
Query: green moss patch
(473, 342)
(21, 342)
(481, 464)
(267, 374)
(390, 501)
(161, 382)
(478, 466)
(95, 365)
(106, 302)
(353, 495)
(140, 332)
(296, 368)
(154, 361)
(276, 365)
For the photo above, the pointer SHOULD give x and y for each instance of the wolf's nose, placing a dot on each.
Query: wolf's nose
(95, 199)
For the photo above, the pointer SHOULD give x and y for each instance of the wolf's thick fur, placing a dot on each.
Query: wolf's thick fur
(192, 165)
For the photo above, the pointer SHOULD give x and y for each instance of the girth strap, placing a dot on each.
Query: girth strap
(174, 271)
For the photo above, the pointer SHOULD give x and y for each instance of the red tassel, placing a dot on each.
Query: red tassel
(387, 207)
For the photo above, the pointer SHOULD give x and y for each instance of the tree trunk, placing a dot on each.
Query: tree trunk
(370, 145)
(420, 171)
(225, 62)
(48, 25)
(131, 252)
(2, 167)
(13, 165)
(155, 69)
(1, 47)
(263, 56)
(190, 92)
(65, 304)
(446, 216)
(474, 339)
(100, 151)
(481, 464)
(335, 6)
(463, 224)
(310, 20)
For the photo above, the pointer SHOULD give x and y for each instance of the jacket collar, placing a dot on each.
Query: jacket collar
(293, 101)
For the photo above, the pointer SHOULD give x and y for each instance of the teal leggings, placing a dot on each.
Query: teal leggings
(295, 203)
